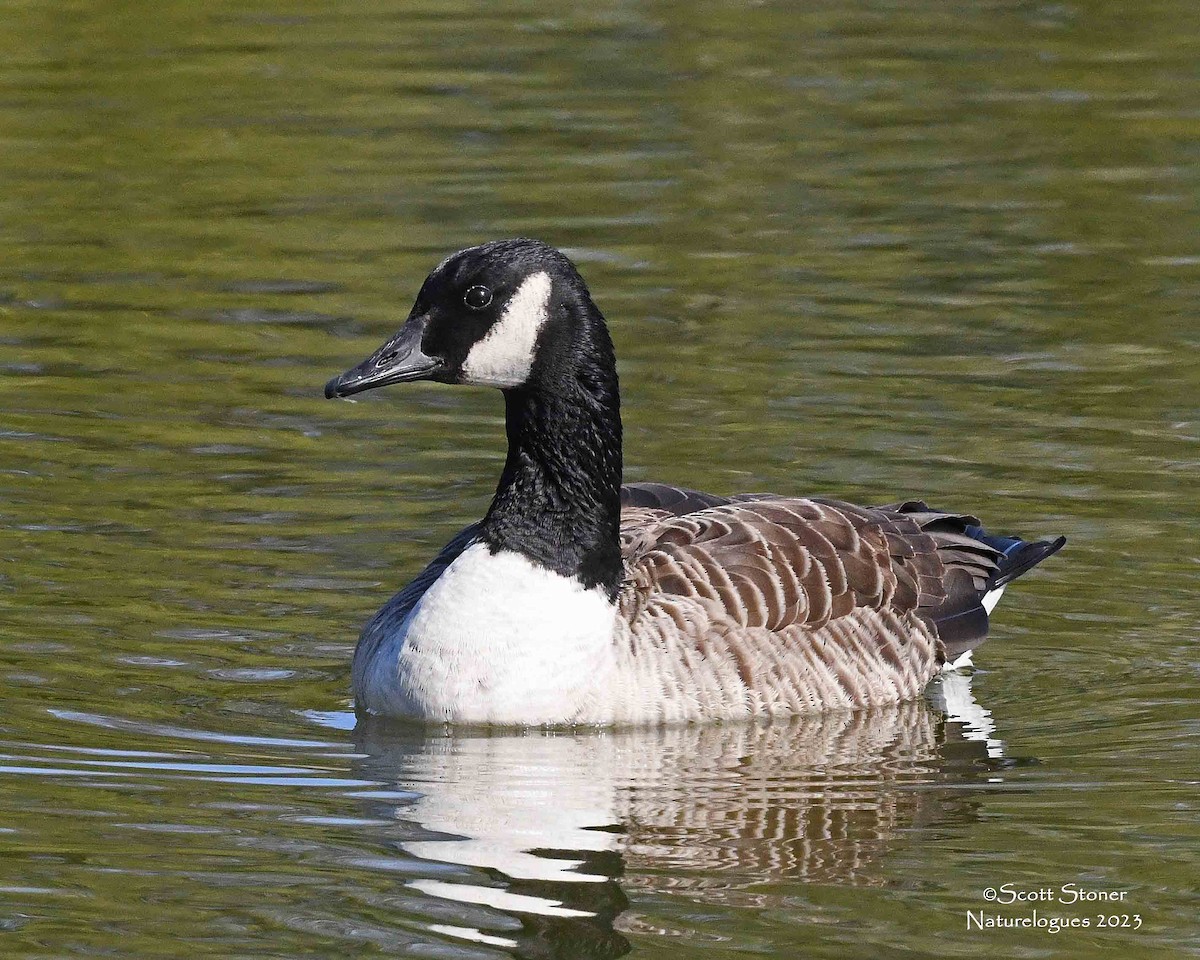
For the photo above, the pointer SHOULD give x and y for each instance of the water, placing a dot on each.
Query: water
(863, 249)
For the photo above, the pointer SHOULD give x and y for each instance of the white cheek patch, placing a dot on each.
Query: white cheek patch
(504, 357)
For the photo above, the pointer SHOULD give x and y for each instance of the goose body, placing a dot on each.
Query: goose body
(579, 600)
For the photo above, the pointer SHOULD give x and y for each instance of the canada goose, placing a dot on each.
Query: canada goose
(577, 600)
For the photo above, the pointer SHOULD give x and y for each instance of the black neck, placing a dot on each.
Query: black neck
(559, 497)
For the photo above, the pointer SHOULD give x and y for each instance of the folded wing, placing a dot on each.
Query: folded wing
(777, 562)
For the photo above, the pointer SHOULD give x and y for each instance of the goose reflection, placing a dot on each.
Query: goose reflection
(538, 837)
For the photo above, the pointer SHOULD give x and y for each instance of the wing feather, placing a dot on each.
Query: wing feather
(780, 561)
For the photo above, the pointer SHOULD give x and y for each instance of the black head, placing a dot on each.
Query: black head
(515, 314)
(483, 316)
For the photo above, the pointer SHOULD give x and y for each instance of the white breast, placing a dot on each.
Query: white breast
(496, 639)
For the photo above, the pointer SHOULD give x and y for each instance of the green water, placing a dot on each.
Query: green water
(869, 250)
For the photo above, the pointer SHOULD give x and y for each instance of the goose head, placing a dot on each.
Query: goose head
(500, 314)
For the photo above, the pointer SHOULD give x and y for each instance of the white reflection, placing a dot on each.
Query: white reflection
(951, 694)
(537, 818)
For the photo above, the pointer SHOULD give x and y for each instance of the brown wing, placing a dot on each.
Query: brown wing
(776, 562)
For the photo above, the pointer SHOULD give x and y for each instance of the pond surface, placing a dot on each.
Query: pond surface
(863, 249)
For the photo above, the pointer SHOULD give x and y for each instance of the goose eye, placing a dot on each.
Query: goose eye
(477, 297)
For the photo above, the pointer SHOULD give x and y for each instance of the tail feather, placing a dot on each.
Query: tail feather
(979, 565)
(1018, 556)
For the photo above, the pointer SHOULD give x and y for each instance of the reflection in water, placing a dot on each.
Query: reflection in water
(541, 826)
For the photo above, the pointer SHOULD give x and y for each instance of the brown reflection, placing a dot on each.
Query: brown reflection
(552, 828)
